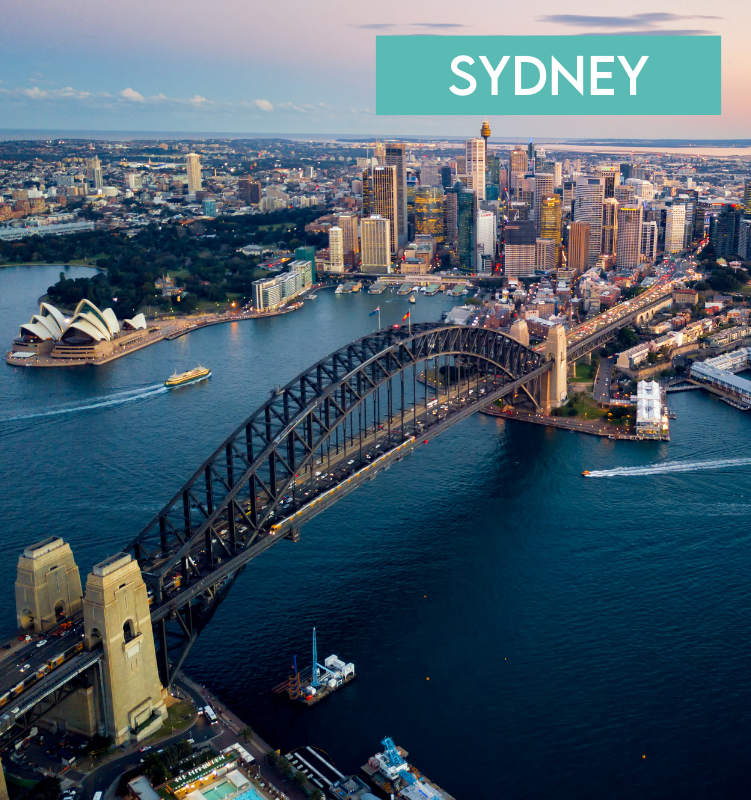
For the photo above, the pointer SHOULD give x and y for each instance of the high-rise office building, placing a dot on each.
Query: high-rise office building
(193, 169)
(429, 214)
(625, 194)
(567, 207)
(94, 172)
(545, 255)
(450, 217)
(336, 249)
(744, 239)
(380, 195)
(475, 166)
(307, 252)
(675, 227)
(588, 208)
(626, 171)
(578, 246)
(446, 180)
(519, 249)
(628, 247)
(396, 156)
(466, 214)
(376, 244)
(518, 161)
(649, 236)
(611, 178)
(380, 154)
(351, 240)
(550, 223)
(747, 196)
(249, 191)
(557, 173)
(531, 157)
(609, 226)
(544, 187)
(723, 230)
(493, 171)
(486, 237)
(430, 175)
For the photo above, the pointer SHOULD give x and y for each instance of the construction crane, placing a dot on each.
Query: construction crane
(315, 682)
(391, 753)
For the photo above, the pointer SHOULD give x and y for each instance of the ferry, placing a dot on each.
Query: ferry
(193, 376)
(412, 299)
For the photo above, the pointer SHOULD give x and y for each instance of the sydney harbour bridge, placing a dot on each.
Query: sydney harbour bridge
(337, 424)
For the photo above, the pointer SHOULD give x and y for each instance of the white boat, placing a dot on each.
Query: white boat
(339, 289)
(312, 296)
(412, 299)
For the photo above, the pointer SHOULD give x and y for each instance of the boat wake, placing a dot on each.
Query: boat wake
(669, 467)
(108, 400)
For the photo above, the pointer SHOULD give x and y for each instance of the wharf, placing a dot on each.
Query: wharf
(593, 427)
(384, 786)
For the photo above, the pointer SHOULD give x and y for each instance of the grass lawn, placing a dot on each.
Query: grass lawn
(586, 407)
(180, 715)
(582, 373)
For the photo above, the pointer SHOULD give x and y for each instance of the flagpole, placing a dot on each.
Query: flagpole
(379, 317)
(409, 321)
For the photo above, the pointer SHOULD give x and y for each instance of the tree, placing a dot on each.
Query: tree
(247, 733)
(316, 794)
(299, 779)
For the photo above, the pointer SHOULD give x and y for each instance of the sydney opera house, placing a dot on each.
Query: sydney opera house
(88, 334)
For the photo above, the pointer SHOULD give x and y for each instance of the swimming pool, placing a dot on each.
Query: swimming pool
(218, 791)
(249, 794)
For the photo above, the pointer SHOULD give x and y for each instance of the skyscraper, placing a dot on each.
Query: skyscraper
(94, 172)
(475, 155)
(519, 249)
(723, 230)
(544, 187)
(351, 242)
(193, 169)
(380, 197)
(675, 226)
(429, 217)
(396, 156)
(612, 179)
(624, 194)
(446, 180)
(248, 191)
(550, 223)
(578, 246)
(486, 236)
(336, 249)
(531, 157)
(450, 216)
(628, 247)
(545, 255)
(376, 244)
(466, 212)
(747, 196)
(609, 226)
(649, 233)
(588, 208)
(518, 160)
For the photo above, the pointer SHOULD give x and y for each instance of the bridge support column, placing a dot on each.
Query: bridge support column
(48, 585)
(116, 615)
(520, 331)
(555, 350)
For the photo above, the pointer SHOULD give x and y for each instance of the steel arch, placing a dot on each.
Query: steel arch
(245, 496)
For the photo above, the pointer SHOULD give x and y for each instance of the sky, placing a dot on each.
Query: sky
(295, 66)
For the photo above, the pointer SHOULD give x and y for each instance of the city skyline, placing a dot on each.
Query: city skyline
(305, 72)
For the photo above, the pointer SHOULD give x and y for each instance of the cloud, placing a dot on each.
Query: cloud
(132, 96)
(653, 32)
(36, 93)
(264, 105)
(636, 21)
(379, 26)
(197, 100)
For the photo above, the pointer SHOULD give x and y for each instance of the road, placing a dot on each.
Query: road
(601, 389)
(22, 659)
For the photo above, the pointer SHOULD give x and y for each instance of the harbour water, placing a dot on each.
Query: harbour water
(523, 632)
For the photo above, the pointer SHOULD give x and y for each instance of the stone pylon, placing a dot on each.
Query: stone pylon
(555, 350)
(48, 585)
(117, 616)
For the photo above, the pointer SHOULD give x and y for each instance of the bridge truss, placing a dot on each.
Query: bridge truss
(335, 425)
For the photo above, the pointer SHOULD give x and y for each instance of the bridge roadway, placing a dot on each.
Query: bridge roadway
(342, 472)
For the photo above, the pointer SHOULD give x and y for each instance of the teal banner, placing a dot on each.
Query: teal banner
(601, 75)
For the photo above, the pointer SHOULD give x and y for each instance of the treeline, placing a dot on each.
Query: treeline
(204, 252)
(721, 278)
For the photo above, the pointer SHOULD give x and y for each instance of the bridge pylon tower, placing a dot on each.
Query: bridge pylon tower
(555, 350)
(117, 616)
(48, 585)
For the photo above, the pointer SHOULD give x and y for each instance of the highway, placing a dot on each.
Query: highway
(22, 659)
(601, 389)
